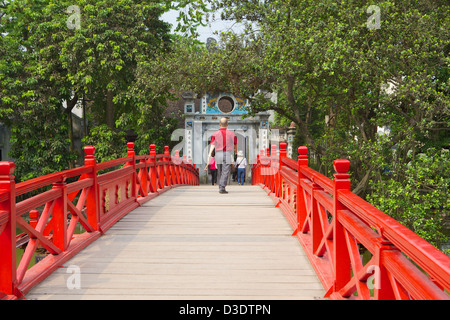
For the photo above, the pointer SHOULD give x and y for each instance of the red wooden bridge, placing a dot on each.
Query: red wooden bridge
(347, 242)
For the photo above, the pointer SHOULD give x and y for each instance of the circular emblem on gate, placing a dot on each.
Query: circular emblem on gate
(226, 104)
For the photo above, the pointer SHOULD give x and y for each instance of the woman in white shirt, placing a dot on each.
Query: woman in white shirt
(241, 164)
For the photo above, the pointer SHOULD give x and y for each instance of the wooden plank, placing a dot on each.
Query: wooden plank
(192, 243)
(187, 269)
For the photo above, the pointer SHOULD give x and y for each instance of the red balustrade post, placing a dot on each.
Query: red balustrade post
(143, 178)
(177, 167)
(184, 170)
(8, 230)
(315, 224)
(263, 171)
(279, 181)
(257, 170)
(268, 173)
(274, 166)
(161, 173)
(341, 257)
(253, 171)
(153, 169)
(92, 199)
(167, 166)
(59, 215)
(302, 211)
(197, 177)
(131, 153)
(189, 172)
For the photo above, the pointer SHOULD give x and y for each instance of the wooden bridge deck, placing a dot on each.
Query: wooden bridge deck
(192, 243)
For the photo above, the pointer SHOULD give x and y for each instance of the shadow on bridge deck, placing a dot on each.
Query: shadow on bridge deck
(191, 243)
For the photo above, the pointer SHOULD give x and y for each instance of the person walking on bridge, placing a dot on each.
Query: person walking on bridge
(241, 164)
(224, 142)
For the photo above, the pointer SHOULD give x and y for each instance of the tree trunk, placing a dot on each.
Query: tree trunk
(362, 185)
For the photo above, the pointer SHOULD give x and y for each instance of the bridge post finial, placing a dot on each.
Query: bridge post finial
(6, 170)
(153, 150)
(283, 149)
(131, 152)
(341, 166)
(302, 156)
(90, 152)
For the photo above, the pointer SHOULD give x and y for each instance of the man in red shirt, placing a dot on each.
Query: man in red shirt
(225, 143)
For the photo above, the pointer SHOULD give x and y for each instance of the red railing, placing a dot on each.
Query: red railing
(348, 241)
(93, 201)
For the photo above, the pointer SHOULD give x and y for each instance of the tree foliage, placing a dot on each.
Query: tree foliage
(53, 54)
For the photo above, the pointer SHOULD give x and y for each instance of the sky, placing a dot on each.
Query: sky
(205, 32)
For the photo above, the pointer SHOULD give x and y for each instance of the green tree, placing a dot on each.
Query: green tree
(55, 53)
(29, 103)
(416, 193)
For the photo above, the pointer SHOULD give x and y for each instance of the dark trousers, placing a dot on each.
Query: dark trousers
(213, 176)
(223, 164)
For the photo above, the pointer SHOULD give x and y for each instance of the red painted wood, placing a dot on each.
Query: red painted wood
(101, 200)
(333, 225)
(8, 282)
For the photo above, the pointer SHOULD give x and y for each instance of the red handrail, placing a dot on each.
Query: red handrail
(95, 202)
(334, 226)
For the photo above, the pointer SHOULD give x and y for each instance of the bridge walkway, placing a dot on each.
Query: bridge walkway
(191, 243)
